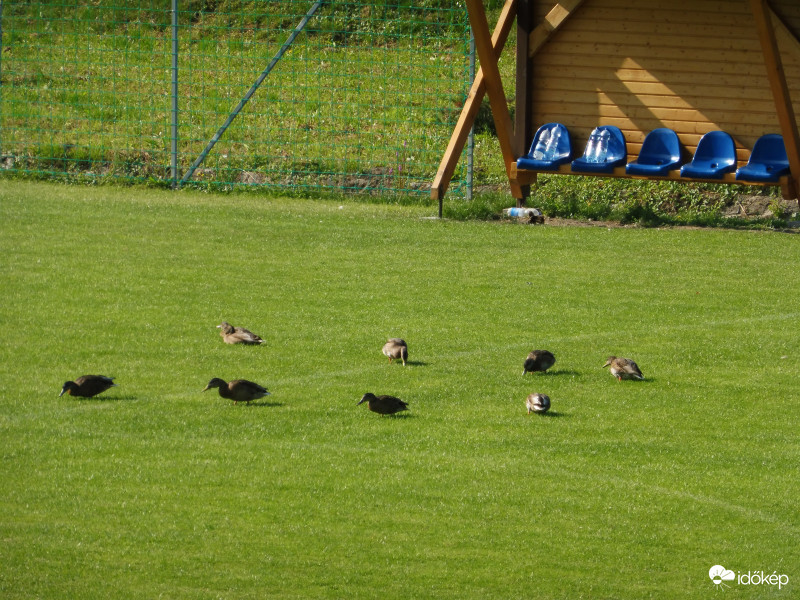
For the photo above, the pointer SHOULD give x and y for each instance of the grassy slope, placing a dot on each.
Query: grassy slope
(625, 490)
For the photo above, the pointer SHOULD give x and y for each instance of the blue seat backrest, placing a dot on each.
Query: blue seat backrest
(716, 146)
(563, 148)
(660, 146)
(769, 149)
(617, 149)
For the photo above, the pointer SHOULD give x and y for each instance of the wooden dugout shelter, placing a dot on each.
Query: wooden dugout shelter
(693, 66)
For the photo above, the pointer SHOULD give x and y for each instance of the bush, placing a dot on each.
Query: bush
(642, 202)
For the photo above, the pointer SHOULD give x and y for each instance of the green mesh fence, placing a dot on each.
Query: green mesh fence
(364, 99)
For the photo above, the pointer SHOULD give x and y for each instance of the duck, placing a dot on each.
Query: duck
(238, 390)
(383, 405)
(538, 360)
(87, 386)
(539, 403)
(623, 368)
(237, 335)
(396, 348)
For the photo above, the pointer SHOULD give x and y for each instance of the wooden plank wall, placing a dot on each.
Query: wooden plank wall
(691, 65)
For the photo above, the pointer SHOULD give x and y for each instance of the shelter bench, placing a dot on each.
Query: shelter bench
(660, 158)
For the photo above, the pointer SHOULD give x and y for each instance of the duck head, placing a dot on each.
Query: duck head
(68, 385)
(366, 398)
(226, 327)
(215, 383)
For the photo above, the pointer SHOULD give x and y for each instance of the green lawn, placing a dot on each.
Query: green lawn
(155, 489)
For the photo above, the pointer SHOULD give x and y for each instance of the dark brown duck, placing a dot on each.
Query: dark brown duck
(383, 405)
(238, 390)
(87, 386)
(538, 360)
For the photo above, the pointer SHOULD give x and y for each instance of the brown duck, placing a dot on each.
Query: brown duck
(87, 386)
(238, 390)
(383, 405)
(237, 335)
(538, 360)
(539, 403)
(396, 348)
(623, 368)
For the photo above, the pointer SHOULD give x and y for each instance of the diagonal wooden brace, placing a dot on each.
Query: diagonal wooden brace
(465, 121)
(555, 18)
(494, 89)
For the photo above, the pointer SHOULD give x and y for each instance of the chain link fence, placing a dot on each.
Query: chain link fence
(363, 99)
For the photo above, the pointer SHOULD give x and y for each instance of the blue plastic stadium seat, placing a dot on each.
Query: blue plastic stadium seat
(660, 154)
(715, 156)
(768, 161)
(616, 155)
(559, 154)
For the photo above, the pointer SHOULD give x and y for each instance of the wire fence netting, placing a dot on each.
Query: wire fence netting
(364, 99)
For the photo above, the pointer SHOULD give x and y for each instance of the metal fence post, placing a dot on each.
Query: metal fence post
(471, 138)
(174, 135)
(1, 74)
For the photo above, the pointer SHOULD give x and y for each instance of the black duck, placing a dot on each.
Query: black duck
(87, 386)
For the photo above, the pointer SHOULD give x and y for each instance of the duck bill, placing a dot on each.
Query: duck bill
(206, 388)
(63, 391)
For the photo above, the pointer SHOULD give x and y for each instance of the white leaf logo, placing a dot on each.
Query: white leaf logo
(718, 574)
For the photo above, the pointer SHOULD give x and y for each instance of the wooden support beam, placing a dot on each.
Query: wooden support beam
(473, 103)
(494, 88)
(779, 88)
(552, 22)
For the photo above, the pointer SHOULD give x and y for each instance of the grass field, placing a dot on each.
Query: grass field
(86, 93)
(155, 489)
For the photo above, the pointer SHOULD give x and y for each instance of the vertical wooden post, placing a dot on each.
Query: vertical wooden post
(780, 90)
(522, 112)
(494, 88)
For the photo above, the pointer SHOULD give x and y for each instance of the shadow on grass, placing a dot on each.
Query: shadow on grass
(416, 363)
(400, 415)
(552, 414)
(260, 404)
(103, 398)
(558, 372)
